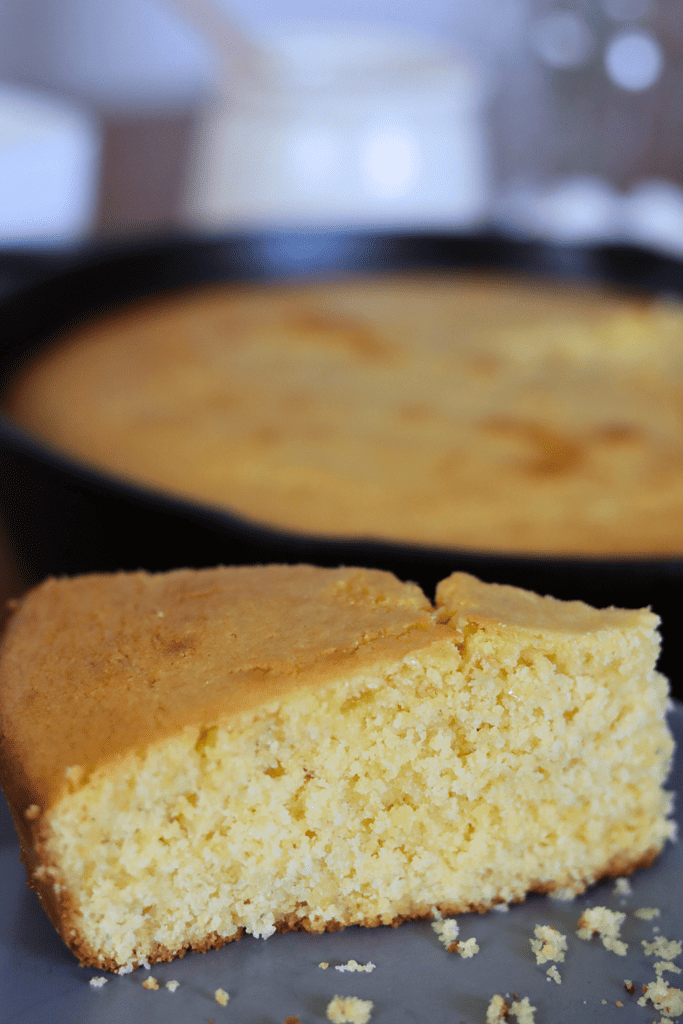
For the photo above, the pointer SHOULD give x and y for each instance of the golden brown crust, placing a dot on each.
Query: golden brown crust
(464, 599)
(98, 665)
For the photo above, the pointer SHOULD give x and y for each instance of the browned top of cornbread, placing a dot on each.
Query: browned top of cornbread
(95, 666)
(463, 599)
(446, 409)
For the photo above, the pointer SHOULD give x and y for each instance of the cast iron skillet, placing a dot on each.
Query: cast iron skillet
(62, 518)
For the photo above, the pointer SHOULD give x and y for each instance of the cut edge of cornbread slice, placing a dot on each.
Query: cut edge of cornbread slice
(270, 748)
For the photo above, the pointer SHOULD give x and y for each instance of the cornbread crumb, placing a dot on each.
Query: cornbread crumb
(668, 1000)
(32, 812)
(151, 983)
(468, 948)
(629, 986)
(607, 924)
(349, 1010)
(646, 913)
(294, 1019)
(221, 996)
(548, 944)
(618, 1003)
(623, 887)
(353, 965)
(172, 985)
(447, 930)
(497, 1010)
(614, 945)
(660, 946)
(553, 973)
(324, 965)
(523, 1011)
(666, 965)
(98, 982)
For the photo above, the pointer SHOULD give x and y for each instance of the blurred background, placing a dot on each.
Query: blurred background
(132, 118)
(136, 117)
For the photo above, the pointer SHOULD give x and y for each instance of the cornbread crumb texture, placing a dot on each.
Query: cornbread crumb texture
(605, 923)
(499, 1011)
(221, 997)
(349, 1010)
(476, 412)
(98, 982)
(548, 944)
(663, 997)
(646, 913)
(553, 974)
(277, 730)
(151, 983)
(353, 965)
(172, 986)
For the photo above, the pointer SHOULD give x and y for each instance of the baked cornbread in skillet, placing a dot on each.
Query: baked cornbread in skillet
(200, 753)
(455, 410)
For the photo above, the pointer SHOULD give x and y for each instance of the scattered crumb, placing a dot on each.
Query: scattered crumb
(668, 1000)
(497, 1010)
(523, 1011)
(629, 986)
(623, 887)
(553, 973)
(468, 948)
(98, 982)
(353, 965)
(604, 1002)
(548, 944)
(618, 1003)
(324, 965)
(614, 945)
(221, 996)
(607, 924)
(646, 913)
(349, 1010)
(151, 983)
(294, 1019)
(666, 965)
(447, 930)
(172, 985)
(662, 947)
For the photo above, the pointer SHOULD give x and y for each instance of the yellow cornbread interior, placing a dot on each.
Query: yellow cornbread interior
(458, 776)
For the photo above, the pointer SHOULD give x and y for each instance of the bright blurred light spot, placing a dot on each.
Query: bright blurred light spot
(390, 162)
(626, 10)
(633, 60)
(562, 39)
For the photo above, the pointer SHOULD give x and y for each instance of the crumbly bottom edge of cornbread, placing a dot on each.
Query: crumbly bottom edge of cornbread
(619, 866)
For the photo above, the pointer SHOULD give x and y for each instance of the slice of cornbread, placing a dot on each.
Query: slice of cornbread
(195, 754)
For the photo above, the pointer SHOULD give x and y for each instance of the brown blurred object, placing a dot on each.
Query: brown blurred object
(145, 160)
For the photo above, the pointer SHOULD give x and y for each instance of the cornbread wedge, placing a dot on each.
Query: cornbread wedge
(200, 753)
